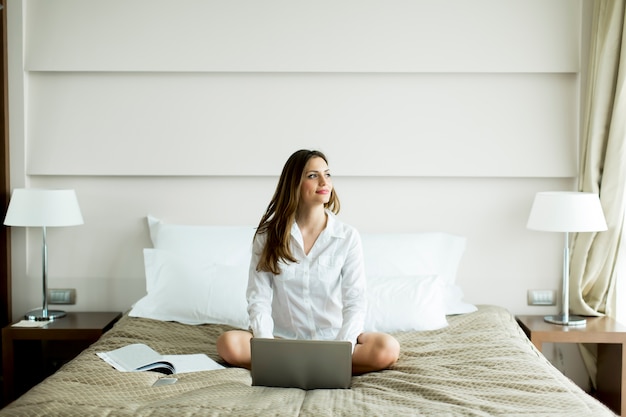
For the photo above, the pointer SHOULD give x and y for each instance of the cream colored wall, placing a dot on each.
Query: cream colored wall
(446, 115)
(435, 116)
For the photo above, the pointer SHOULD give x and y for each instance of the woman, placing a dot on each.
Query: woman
(307, 278)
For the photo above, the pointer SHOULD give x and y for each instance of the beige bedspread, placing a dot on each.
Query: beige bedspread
(481, 365)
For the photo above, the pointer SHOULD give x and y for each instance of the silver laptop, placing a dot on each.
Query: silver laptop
(305, 364)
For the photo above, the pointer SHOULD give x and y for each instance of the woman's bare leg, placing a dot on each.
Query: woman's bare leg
(234, 347)
(374, 352)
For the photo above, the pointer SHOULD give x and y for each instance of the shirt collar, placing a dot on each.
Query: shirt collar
(333, 228)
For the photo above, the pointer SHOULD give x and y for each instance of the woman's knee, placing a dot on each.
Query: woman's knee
(393, 344)
(388, 350)
(223, 345)
(380, 350)
(234, 346)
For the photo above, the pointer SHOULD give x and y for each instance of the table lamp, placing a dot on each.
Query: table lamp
(562, 211)
(43, 208)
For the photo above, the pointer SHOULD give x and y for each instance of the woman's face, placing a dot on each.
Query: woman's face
(316, 182)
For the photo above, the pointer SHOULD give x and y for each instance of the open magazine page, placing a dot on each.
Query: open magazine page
(139, 357)
(192, 363)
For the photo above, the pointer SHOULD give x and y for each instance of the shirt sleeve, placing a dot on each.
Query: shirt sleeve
(353, 292)
(259, 295)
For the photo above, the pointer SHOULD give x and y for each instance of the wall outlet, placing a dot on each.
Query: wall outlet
(541, 297)
(61, 296)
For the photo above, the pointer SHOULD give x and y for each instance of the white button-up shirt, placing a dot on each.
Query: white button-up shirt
(321, 296)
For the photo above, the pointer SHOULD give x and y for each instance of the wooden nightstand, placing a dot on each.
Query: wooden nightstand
(31, 354)
(611, 338)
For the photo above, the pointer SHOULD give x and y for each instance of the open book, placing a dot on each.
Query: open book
(139, 357)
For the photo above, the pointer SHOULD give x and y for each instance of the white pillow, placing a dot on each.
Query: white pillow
(398, 254)
(226, 245)
(418, 255)
(184, 290)
(453, 299)
(405, 303)
(386, 255)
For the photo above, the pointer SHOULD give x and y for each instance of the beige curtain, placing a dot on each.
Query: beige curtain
(602, 162)
(593, 271)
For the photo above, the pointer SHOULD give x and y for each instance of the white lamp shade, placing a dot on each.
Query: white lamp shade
(31, 207)
(561, 211)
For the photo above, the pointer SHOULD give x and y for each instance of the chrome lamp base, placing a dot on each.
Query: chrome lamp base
(39, 315)
(569, 320)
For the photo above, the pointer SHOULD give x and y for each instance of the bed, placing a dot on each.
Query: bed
(456, 358)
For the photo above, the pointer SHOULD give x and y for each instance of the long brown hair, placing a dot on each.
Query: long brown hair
(281, 212)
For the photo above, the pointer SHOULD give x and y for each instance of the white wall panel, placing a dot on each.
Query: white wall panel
(498, 125)
(287, 35)
(435, 114)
